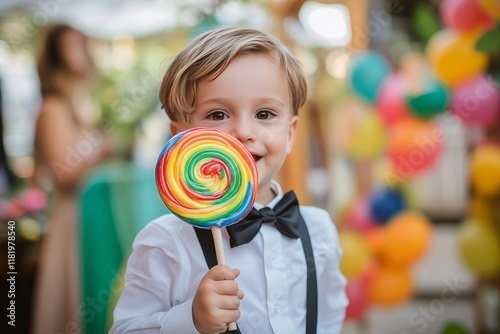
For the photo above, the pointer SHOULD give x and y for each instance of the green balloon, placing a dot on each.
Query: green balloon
(366, 74)
(207, 23)
(454, 328)
(430, 102)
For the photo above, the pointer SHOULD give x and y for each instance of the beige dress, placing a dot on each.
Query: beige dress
(57, 289)
(57, 307)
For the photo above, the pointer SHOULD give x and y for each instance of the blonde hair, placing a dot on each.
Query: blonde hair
(208, 56)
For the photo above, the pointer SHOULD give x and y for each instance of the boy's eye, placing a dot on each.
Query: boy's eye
(217, 116)
(263, 114)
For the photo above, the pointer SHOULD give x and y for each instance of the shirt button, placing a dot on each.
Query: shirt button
(277, 309)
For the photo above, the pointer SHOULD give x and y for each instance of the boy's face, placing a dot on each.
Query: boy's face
(249, 100)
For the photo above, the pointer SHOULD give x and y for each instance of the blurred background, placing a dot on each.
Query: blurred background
(399, 140)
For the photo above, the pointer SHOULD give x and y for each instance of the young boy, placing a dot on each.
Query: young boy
(249, 85)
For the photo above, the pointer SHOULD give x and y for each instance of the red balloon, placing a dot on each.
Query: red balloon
(464, 15)
(358, 300)
(359, 217)
(390, 104)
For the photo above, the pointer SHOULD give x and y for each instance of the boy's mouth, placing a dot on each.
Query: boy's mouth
(256, 157)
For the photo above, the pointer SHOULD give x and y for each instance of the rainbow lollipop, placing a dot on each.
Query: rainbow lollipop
(208, 179)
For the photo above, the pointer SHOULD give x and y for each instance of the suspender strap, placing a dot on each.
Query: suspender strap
(207, 245)
(312, 282)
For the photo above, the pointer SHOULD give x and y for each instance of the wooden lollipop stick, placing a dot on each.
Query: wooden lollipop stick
(221, 258)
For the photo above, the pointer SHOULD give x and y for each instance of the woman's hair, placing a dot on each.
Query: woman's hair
(51, 56)
(209, 55)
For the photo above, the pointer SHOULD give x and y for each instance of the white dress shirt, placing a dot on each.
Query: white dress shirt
(167, 264)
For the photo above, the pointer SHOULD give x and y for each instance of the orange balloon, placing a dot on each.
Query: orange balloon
(375, 240)
(390, 286)
(454, 57)
(414, 146)
(406, 239)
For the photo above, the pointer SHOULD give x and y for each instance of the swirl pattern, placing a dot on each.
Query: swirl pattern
(206, 177)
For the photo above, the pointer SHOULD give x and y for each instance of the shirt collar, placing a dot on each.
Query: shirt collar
(276, 188)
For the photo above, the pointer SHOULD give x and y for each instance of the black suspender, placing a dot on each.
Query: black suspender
(207, 245)
(312, 282)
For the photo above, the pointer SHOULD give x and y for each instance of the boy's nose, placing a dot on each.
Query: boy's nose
(245, 132)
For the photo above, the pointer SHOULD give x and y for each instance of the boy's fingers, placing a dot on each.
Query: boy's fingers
(228, 287)
(240, 294)
(236, 272)
(229, 303)
(221, 272)
(230, 316)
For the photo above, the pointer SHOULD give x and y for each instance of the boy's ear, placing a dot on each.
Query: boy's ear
(292, 132)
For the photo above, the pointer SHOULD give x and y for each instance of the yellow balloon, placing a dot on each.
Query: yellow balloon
(485, 170)
(484, 211)
(480, 248)
(453, 56)
(491, 7)
(368, 138)
(356, 254)
(30, 229)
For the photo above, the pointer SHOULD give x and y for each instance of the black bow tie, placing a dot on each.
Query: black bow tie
(285, 216)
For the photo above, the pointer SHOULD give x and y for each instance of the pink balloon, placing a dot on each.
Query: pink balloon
(359, 217)
(464, 15)
(476, 101)
(34, 199)
(390, 104)
(358, 301)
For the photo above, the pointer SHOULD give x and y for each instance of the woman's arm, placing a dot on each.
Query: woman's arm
(69, 151)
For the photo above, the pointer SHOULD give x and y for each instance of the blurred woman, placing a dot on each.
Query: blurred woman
(66, 148)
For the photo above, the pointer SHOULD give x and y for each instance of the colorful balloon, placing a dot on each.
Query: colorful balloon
(375, 239)
(366, 74)
(485, 170)
(464, 15)
(484, 211)
(359, 217)
(414, 146)
(430, 101)
(476, 101)
(492, 7)
(390, 104)
(356, 254)
(406, 239)
(358, 300)
(385, 203)
(368, 138)
(206, 177)
(34, 199)
(390, 286)
(480, 248)
(454, 57)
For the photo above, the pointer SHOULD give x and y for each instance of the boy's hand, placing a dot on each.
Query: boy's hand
(217, 300)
